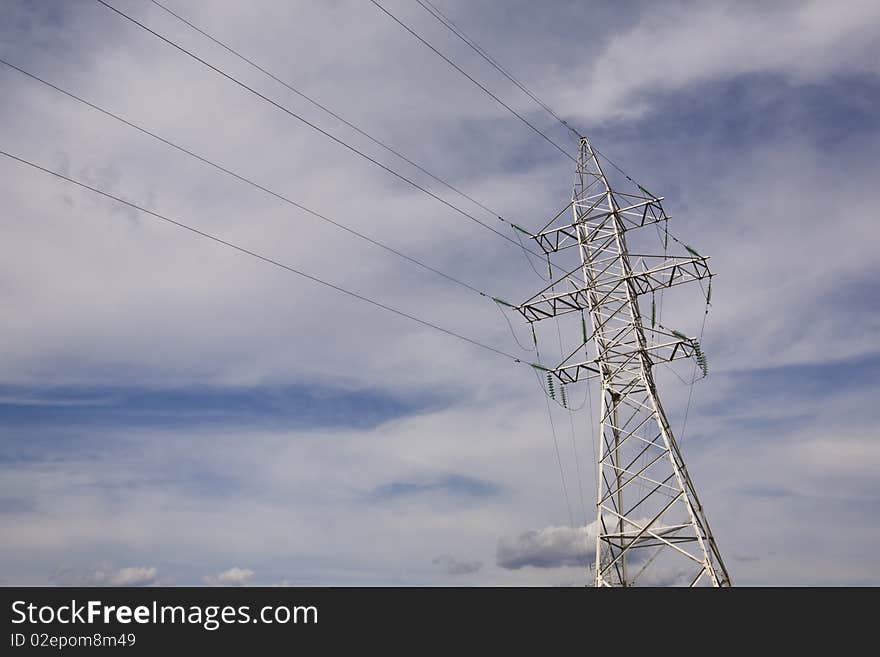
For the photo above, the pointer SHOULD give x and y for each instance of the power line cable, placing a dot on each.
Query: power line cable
(574, 443)
(264, 258)
(471, 43)
(577, 460)
(434, 11)
(510, 326)
(248, 181)
(445, 20)
(571, 521)
(361, 131)
(472, 79)
(329, 111)
(305, 121)
(691, 387)
(525, 253)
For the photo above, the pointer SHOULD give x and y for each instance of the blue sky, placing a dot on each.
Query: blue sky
(279, 406)
(172, 412)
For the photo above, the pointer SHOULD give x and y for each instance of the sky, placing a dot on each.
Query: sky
(176, 412)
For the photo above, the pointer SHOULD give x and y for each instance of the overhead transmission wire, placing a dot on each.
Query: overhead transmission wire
(272, 193)
(577, 461)
(471, 43)
(451, 26)
(517, 230)
(250, 182)
(525, 253)
(566, 405)
(445, 20)
(327, 110)
(437, 14)
(263, 189)
(277, 195)
(547, 397)
(315, 127)
(510, 326)
(262, 257)
(379, 142)
(354, 127)
(474, 80)
(558, 455)
(693, 380)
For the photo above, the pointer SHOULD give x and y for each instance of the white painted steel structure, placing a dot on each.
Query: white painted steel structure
(651, 527)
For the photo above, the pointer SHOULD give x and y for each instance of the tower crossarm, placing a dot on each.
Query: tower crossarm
(673, 271)
(643, 213)
(622, 357)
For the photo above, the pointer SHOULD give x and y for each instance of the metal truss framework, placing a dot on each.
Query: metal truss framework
(651, 527)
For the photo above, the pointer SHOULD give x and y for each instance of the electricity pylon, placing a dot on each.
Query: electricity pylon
(650, 525)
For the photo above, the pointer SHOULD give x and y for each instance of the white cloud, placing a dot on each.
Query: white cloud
(133, 576)
(683, 44)
(105, 576)
(235, 576)
(550, 547)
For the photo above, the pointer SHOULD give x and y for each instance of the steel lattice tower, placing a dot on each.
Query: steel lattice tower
(650, 525)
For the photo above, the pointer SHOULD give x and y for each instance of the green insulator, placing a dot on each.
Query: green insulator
(653, 312)
(550, 385)
(562, 394)
(549, 268)
(692, 251)
(679, 335)
(584, 327)
(534, 337)
(700, 357)
(709, 293)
